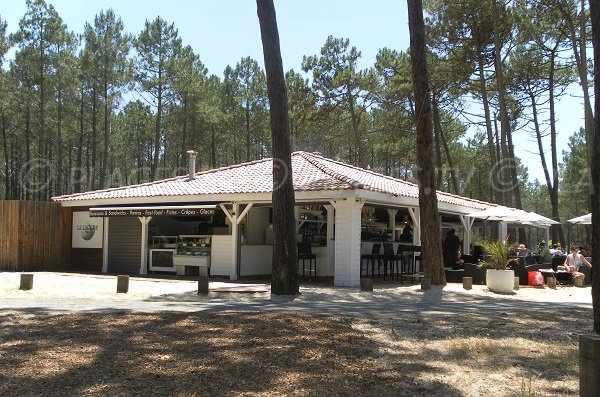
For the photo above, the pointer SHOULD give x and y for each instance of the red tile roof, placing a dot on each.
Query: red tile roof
(312, 172)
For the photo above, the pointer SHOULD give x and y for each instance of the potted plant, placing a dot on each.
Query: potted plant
(498, 278)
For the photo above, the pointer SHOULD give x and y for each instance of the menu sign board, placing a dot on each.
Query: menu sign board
(87, 232)
(151, 212)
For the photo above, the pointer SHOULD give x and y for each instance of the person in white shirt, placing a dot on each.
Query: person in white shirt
(574, 261)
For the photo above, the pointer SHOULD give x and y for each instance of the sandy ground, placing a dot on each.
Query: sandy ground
(101, 287)
(73, 335)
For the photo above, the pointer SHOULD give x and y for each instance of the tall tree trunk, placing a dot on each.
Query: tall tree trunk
(437, 122)
(356, 138)
(43, 139)
(17, 192)
(247, 118)
(538, 135)
(213, 148)
(453, 177)
(580, 54)
(595, 166)
(284, 279)
(78, 162)
(184, 131)
(503, 110)
(157, 134)
(67, 186)
(431, 246)
(6, 160)
(59, 146)
(27, 150)
(92, 170)
(488, 126)
(139, 156)
(107, 111)
(557, 230)
(437, 125)
(194, 139)
(40, 176)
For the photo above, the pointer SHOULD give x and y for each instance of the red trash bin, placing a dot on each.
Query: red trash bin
(535, 279)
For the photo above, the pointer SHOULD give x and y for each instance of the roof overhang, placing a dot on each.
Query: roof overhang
(262, 197)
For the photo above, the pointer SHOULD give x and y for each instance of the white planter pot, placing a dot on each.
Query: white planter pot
(500, 281)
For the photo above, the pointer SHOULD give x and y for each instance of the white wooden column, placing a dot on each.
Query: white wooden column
(330, 239)
(232, 216)
(239, 219)
(330, 220)
(347, 243)
(467, 223)
(105, 246)
(392, 222)
(235, 242)
(416, 220)
(502, 230)
(415, 215)
(235, 217)
(145, 220)
(547, 234)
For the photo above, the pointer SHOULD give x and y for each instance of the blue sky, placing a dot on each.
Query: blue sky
(224, 31)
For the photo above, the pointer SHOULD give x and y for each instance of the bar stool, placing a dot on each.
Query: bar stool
(409, 260)
(401, 261)
(371, 258)
(412, 254)
(305, 253)
(390, 260)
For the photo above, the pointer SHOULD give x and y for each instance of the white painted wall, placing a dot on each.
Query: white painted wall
(325, 262)
(256, 259)
(221, 256)
(347, 243)
(258, 221)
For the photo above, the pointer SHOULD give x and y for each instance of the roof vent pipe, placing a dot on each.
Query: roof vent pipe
(191, 164)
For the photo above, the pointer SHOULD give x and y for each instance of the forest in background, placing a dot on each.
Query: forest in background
(108, 108)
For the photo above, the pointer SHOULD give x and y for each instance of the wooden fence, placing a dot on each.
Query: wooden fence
(34, 236)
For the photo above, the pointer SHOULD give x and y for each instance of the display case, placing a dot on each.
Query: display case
(192, 250)
(161, 253)
(312, 224)
(164, 242)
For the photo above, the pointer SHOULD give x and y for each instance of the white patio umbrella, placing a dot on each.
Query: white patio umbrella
(512, 215)
(499, 213)
(542, 220)
(582, 220)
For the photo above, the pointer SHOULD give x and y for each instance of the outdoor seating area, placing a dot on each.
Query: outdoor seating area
(396, 263)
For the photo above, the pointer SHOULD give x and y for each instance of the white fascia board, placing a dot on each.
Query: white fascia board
(197, 198)
(323, 195)
(403, 201)
(455, 209)
(387, 199)
(257, 198)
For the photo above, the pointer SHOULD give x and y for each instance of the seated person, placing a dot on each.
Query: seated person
(523, 251)
(458, 262)
(545, 254)
(554, 251)
(574, 261)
